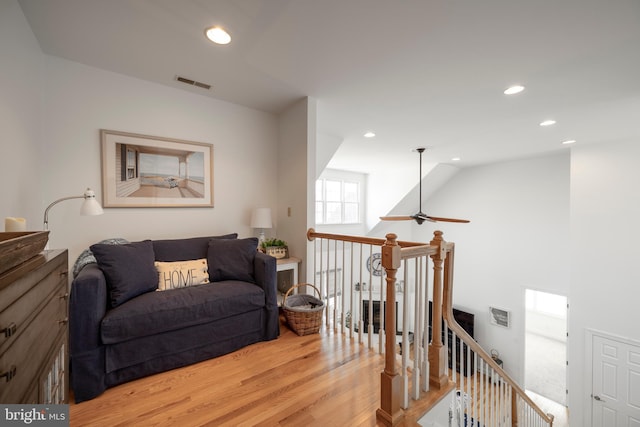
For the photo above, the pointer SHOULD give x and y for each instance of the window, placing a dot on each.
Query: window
(337, 201)
(131, 164)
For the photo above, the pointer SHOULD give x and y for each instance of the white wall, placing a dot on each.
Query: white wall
(21, 86)
(295, 177)
(605, 207)
(326, 146)
(81, 100)
(518, 238)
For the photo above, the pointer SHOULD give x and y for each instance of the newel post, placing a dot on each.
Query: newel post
(390, 412)
(437, 352)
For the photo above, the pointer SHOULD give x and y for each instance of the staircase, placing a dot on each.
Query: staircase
(377, 291)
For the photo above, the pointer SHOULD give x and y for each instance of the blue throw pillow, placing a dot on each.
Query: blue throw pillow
(86, 257)
(129, 269)
(232, 259)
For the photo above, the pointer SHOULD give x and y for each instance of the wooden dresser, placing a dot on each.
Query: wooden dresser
(33, 330)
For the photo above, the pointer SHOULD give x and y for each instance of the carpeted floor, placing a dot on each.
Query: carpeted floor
(545, 367)
(559, 412)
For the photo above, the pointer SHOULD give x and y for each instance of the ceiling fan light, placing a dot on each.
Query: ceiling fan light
(549, 122)
(369, 134)
(218, 35)
(569, 141)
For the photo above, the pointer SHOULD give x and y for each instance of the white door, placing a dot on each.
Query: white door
(616, 383)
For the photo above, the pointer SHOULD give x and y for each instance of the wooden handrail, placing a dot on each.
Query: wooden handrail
(312, 235)
(417, 251)
(472, 344)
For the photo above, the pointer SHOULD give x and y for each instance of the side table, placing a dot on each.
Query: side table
(288, 264)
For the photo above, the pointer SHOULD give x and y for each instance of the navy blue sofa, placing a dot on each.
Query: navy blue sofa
(121, 328)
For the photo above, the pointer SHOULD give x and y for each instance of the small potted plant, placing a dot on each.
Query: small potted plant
(275, 247)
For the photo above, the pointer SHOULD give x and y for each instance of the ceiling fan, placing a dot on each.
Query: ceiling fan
(420, 217)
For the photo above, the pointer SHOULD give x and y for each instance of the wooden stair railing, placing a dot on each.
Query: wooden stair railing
(520, 402)
(393, 251)
(519, 411)
(438, 375)
(390, 411)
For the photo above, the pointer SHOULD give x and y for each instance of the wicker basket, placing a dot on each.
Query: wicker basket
(277, 251)
(302, 311)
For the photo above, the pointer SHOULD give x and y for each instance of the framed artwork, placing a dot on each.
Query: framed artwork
(500, 317)
(151, 171)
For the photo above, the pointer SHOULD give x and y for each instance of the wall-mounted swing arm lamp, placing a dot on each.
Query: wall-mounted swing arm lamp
(90, 206)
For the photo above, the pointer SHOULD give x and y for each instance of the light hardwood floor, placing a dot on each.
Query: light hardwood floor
(323, 379)
(316, 380)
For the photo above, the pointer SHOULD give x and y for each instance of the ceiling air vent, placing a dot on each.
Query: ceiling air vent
(193, 82)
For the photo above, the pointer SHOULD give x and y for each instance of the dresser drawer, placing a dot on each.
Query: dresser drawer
(26, 353)
(17, 281)
(22, 300)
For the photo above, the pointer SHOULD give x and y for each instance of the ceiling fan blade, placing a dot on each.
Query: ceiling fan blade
(435, 218)
(397, 218)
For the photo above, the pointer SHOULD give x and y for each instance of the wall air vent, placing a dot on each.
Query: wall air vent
(193, 82)
(202, 85)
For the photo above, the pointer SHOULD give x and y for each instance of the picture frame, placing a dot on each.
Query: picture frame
(152, 171)
(499, 317)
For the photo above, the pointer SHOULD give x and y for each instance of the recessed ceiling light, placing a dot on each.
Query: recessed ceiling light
(513, 90)
(218, 35)
(369, 135)
(569, 141)
(456, 159)
(548, 123)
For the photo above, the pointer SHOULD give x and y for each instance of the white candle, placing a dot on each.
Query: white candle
(15, 224)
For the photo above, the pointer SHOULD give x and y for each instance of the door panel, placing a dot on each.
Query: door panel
(616, 383)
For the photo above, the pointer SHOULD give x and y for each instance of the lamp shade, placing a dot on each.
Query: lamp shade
(90, 206)
(261, 218)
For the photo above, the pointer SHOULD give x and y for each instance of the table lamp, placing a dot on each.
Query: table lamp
(261, 219)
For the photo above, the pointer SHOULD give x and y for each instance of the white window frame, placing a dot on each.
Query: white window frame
(342, 177)
(132, 164)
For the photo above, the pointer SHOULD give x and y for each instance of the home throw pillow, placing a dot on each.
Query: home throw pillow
(232, 259)
(128, 268)
(180, 274)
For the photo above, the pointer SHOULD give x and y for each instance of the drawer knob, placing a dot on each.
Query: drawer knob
(9, 330)
(9, 374)
(64, 296)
